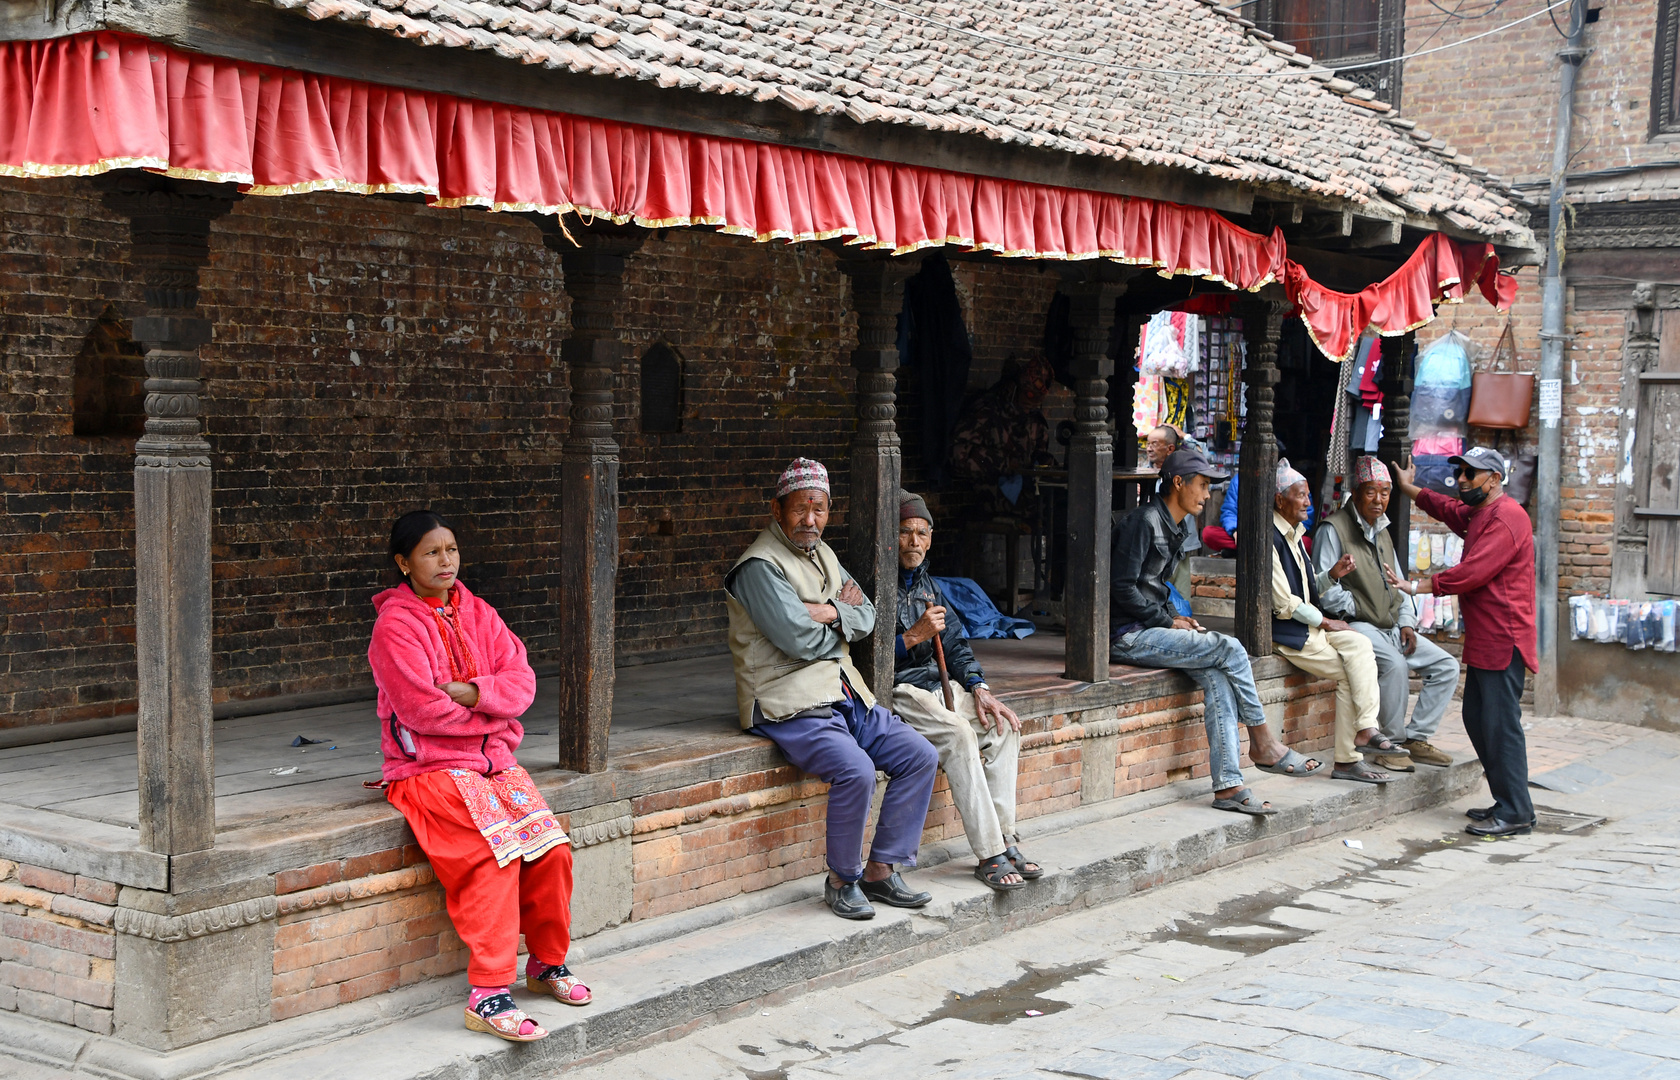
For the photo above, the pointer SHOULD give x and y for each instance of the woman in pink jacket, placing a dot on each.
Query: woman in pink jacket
(453, 680)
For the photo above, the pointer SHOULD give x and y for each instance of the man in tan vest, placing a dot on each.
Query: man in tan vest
(1384, 614)
(793, 613)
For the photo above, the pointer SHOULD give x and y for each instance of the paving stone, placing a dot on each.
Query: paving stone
(1577, 1053)
(1356, 1058)
(1227, 1060)
(1484, 1033)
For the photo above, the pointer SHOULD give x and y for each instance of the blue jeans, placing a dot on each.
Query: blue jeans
(1219, 665)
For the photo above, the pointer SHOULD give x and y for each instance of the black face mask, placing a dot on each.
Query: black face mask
(1472, 496)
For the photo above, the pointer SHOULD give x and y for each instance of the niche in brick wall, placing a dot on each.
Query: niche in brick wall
(109, 395)
(662, 390)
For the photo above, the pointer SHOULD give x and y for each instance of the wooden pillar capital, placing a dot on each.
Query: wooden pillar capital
(1257, 467)
(876, 466)
(1090, 465)
(169, 229)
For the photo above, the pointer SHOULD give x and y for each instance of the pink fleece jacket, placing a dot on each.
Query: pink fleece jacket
(422, 729)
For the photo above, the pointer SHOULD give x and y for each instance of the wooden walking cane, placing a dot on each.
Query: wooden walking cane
(944, 676)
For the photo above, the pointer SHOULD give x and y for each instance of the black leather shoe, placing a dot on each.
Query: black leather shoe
(1494, 827)
(892, 890)
(1480, 813)
(847, 901)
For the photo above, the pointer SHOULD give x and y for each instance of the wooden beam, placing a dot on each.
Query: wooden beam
(1090, 465)
(241, 30)
(1257, 468)
(169, 224)
(592, 262)
(1376, 232)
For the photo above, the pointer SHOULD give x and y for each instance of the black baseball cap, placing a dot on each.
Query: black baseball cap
(1188, 462)
(1481, 459)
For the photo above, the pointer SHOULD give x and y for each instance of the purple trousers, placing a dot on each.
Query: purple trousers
(844, 748)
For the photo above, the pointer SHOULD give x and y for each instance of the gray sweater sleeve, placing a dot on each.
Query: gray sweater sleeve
(781, 616)
(1327, 551)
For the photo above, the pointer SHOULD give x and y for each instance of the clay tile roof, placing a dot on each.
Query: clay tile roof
(1309, 135)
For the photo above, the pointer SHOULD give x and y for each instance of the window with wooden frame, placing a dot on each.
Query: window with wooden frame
(1354, 33)
(1656, 460)
(662, 390)
(108, 391)
(1665, 80)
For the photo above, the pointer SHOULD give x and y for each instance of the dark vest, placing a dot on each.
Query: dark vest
(1375, 601)
(1288, 631)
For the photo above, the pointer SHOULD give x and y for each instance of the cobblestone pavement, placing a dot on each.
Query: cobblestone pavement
(1421, 953)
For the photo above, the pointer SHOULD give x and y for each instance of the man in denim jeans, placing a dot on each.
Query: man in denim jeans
(1148, 544)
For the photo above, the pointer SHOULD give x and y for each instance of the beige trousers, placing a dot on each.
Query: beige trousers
(979, 763)
(1346, 656)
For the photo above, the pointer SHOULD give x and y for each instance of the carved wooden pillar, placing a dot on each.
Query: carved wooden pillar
(169, 223)
(872, 514)
(1090, 465)
(592, 261)
(1257, 468)
(1395, 381)
(1640, 355)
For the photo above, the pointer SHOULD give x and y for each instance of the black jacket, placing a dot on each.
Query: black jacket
(1147, 549)
(917, 665)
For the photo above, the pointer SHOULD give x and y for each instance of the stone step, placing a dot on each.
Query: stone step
(661, 974)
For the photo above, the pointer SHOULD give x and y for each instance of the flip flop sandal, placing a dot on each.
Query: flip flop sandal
(557, 980)
(1023, 865)
(499, 1016)
(1360, 773)
(1382, 744)
(1244, 802)
(1293, 763)
(992, 872)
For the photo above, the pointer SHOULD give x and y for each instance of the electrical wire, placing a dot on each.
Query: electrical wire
(1314, 69)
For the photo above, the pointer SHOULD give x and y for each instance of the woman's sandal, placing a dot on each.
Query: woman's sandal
(1023, 866)
(992, 872)
(499, 1016)
(557, 980)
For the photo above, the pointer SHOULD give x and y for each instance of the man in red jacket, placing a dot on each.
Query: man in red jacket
(1495, 581)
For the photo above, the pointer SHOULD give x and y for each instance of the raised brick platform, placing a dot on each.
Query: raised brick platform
(315, 881)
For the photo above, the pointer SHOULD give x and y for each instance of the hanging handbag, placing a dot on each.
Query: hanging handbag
(1501, 400)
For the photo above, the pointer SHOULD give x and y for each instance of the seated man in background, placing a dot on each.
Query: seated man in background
(1148, 544)
(1328, 648)
(979, 741)
(793, 612)
(1385, 615)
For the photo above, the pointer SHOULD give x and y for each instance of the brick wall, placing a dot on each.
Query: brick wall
(355, 927)
(372, 356)
(1496, 100)
(57, 949)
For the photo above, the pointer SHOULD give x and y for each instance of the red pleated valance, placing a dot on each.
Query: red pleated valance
(86, 104)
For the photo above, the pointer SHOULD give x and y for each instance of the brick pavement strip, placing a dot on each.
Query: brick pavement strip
(1424, 955)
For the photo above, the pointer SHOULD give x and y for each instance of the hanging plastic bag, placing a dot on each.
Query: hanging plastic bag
(1667, 644)
(1580, 617)
(1441, 390)
(1164, 349)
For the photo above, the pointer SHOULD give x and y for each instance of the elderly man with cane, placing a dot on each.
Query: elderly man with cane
(793, 612)
(1495, 580)
(978, 737)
